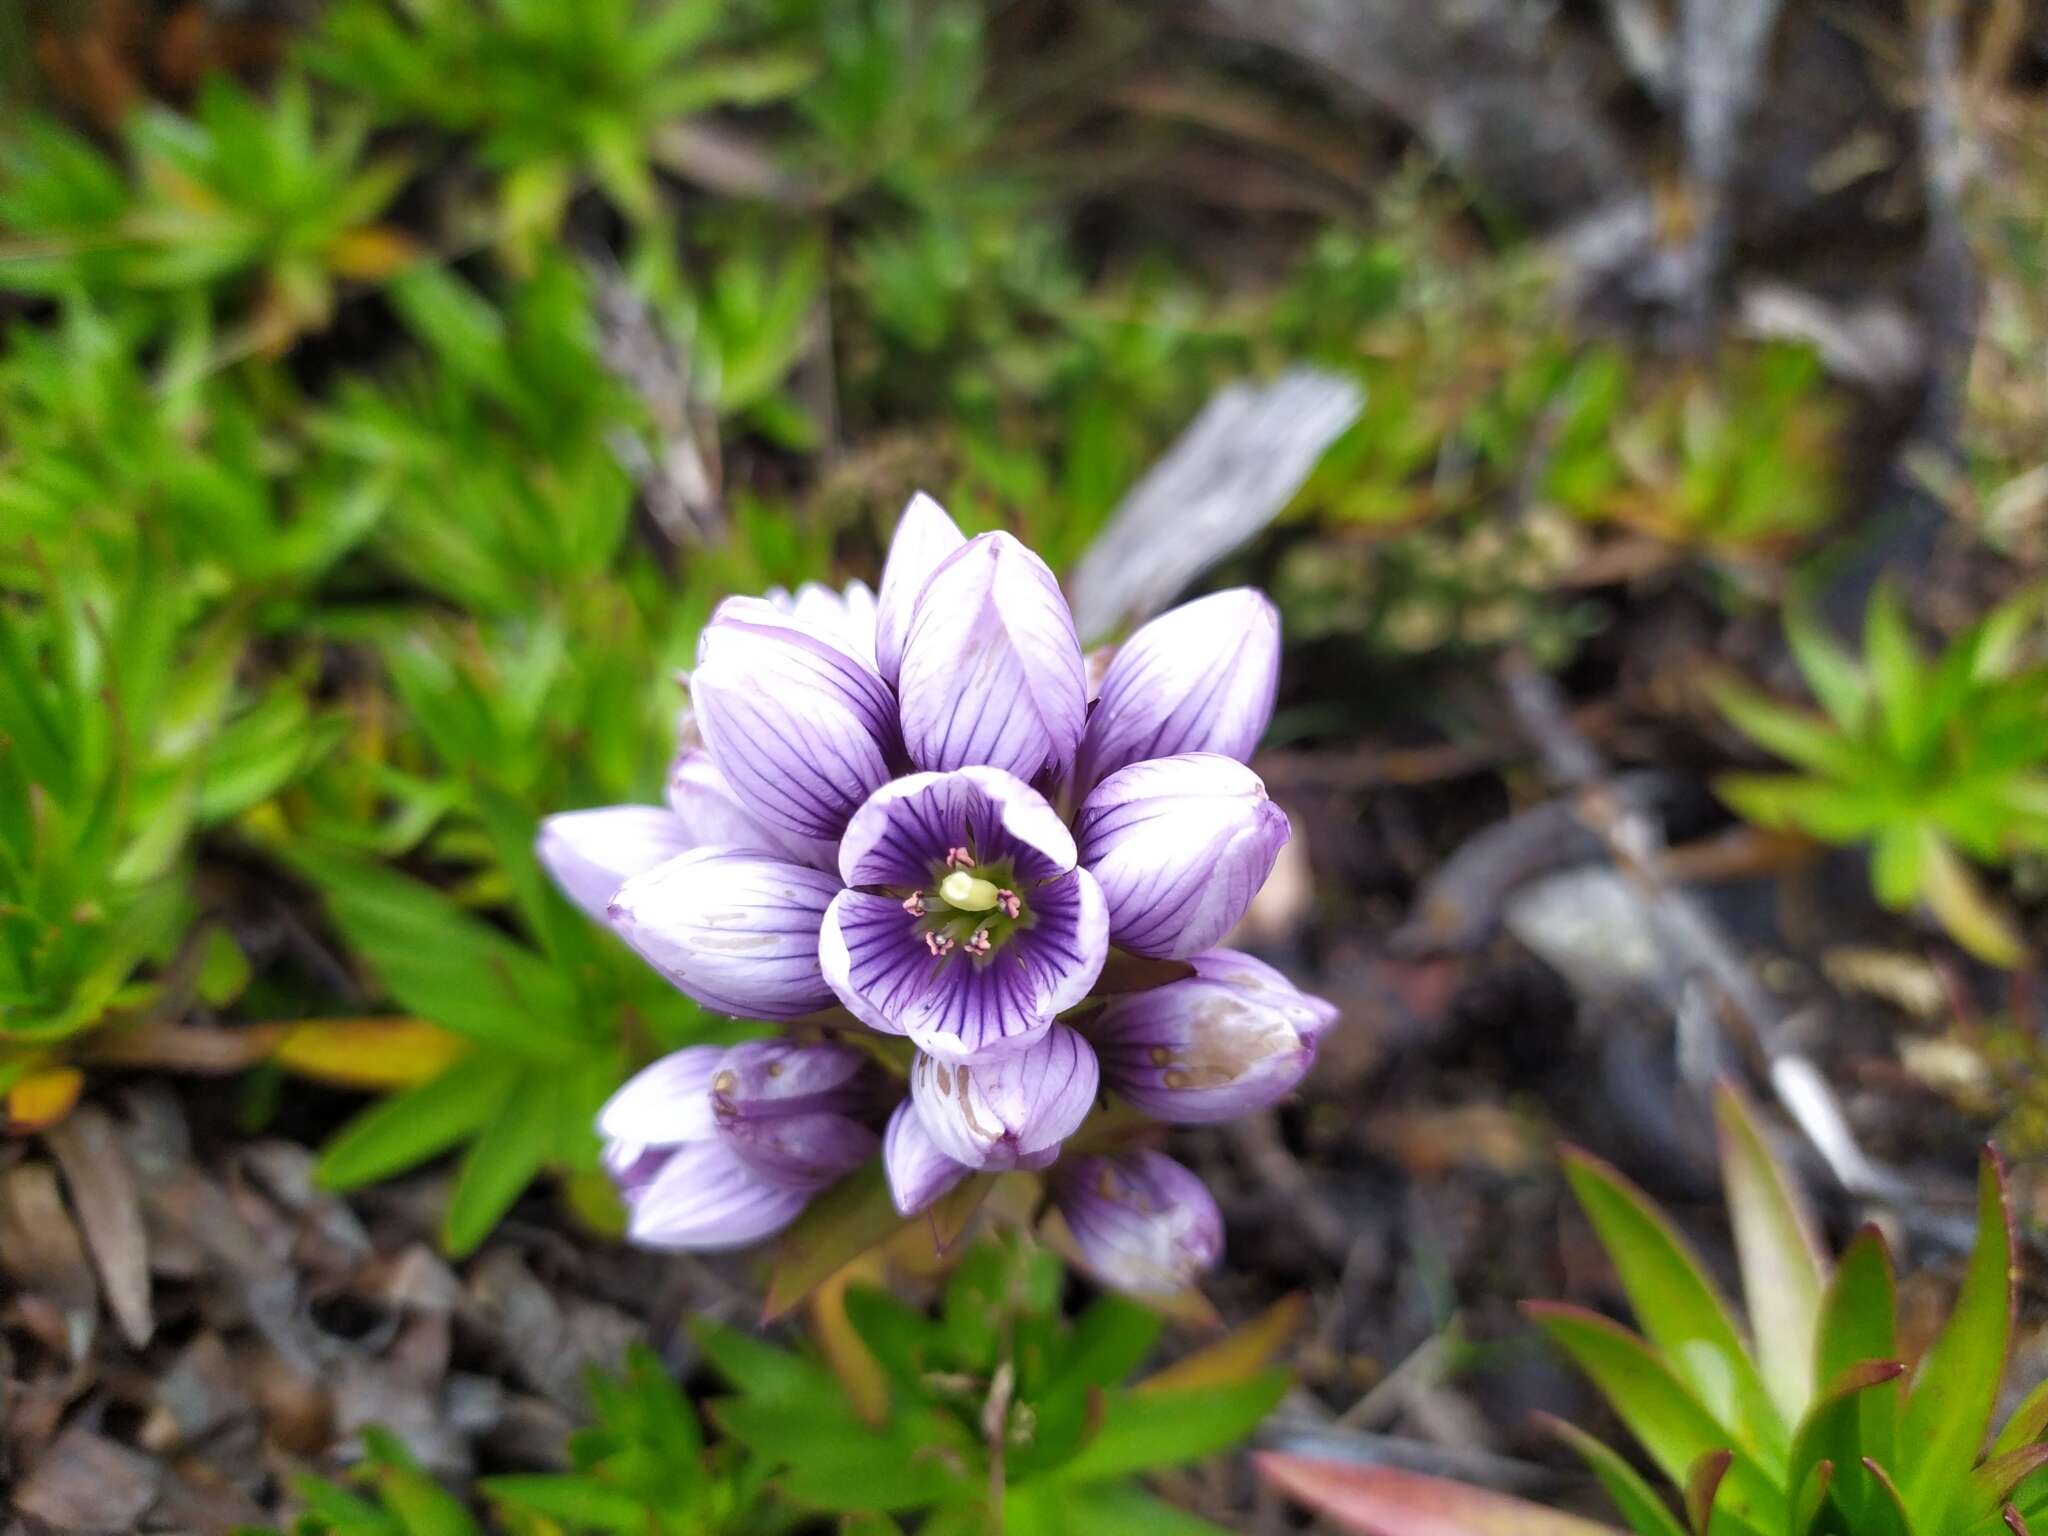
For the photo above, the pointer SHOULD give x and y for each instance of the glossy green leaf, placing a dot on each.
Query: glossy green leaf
(1783, 1274)
(1832, 1432)
(1948, 1408)
(2029, 1422)
(1678, 1307)
(1639, 1504)
(1660, 1410)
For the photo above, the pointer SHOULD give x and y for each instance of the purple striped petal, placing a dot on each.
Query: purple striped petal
(795, 1111)
(918, 1171)
(1180, 845)
(1010, 1112)
(954, 1006)
(1141, 1222)
(665, 1103)
(991, 671)
(925, 536)
(801, 729)
(738, 931)
(706, 1198)
(590, 854)
(907, 826)
(1203, 1050)
(1199, 678)
(712, 816)
(1310, 1016)
(846, 617)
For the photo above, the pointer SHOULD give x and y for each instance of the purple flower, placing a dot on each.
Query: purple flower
(1180, 846)
(925, 805)
(992, 673)
(1140, 1221)
(1227, 1041)
(918, 1171)
(1009, 1112)
(1199, 678)
(714, 1148)
(591, 854)
(966, 923)
(736, 930)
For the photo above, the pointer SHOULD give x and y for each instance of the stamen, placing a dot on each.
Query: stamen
(937, 943)
(914, 903)
(979, 944)
(959, 858)
(1011, 906)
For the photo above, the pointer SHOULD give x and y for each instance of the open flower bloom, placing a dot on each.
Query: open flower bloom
(718, 1148)
(921, 805)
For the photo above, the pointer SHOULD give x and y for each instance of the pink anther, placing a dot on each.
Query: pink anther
(938, 944)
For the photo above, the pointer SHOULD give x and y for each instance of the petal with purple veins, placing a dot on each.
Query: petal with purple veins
(1311, 1017)
(1201, 1050)
(666, 1102)
(706, 1198)
(801, 729)
(1140, 1221)
(925, 536)
(1010, 1111)
(1180, 845)
(737, 931)
(712, 816)
(590, 854)
(908, 825)
(918, 1171)
(1199, 678)
(992, 672)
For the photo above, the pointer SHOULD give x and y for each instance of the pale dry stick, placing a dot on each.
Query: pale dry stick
(1634, 843)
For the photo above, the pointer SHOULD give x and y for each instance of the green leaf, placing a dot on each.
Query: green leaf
(1639, 1504)
(1659, 1409)
(406, 1129)
(502, 1161)
(577, 1499)
(1965, 909)
(1059, 1509)
(1783, 1274)
(1829, 670)
(1832, 1432)
(1813, 744)
(1678, 1307)
(2029, 1422)
(836, 1228)
(1144, 1430)
(1949, 1405)
(1820, 808)
(1897, 670)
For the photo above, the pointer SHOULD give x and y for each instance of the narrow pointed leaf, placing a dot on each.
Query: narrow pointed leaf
(1812, 1495)
(1783, 1275)
(1949, 1406)
(1702, 1486)
(1832, 1431)
(2029, 1422)
(1678, 1307)
(1638, 1502)
(1385, 1501)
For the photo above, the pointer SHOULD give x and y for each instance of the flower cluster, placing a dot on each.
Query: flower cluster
(928, 810)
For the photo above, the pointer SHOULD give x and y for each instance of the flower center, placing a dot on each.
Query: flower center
(969, 907)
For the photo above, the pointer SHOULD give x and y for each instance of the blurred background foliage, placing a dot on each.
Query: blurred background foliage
(386, 399)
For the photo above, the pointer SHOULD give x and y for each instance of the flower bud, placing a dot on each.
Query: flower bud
(703, 1198)
(1180, 846)
(991, 672)
(1007, 1111)
(590, 854)
(1204, 1049)
(1199, 678)
(925, 536)
(1311, 1016)
(713, 817)
(737, 931)
(1141, 1222)
(918, 1171)
(794, 1112)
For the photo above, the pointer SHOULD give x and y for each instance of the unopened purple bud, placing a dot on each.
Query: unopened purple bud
(1205, 1049)
(1199, 678)
(918, 1171)
(590, 854)
(991, 673)
(1180, 846)
(1007, 1111)
(1311, 1016)
(924, 538)
(795, 1112)
(706, 1197)
(736, 931)
(665, 1103)
(1141, 1222)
